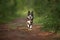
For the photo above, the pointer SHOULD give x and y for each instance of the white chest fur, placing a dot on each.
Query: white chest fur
(28, 22)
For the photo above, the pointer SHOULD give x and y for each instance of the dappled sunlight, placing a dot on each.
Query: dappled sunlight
(24, 12)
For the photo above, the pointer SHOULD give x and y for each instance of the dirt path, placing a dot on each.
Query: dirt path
(17, 31)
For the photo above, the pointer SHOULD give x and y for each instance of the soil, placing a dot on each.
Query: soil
(21, 32)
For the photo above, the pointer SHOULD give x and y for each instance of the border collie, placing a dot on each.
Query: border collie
(30, 19)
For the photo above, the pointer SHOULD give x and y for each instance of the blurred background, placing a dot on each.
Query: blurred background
(46, 12)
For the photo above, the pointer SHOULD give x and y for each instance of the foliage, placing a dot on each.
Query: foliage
(47, 12)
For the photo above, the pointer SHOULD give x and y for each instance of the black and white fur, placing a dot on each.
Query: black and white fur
(30, 19)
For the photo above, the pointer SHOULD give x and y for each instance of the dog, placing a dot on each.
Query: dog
(29, 19)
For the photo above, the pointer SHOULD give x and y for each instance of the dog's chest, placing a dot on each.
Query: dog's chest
(29, 22)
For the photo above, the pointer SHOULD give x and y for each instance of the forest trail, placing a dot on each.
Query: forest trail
(17, 30)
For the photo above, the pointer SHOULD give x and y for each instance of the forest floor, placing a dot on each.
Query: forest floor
(16, 31)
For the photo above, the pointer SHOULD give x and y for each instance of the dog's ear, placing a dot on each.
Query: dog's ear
(32, 13)
(28, 13)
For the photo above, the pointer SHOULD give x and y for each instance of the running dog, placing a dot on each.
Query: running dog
(29, 19)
